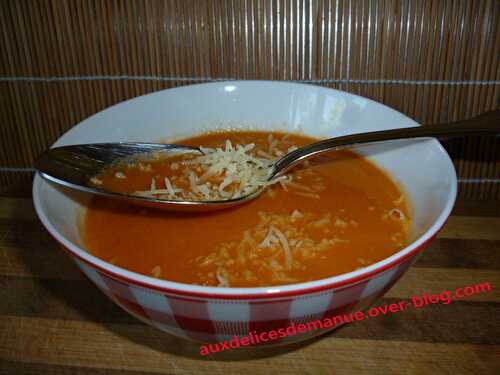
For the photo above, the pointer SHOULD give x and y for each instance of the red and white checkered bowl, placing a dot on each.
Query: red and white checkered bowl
(421, 167)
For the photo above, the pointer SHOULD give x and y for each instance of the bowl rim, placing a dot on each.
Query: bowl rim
(196, 291)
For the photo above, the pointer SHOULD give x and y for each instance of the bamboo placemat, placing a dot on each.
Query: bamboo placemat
(62, 61)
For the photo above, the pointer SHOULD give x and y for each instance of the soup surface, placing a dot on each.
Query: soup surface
(336, 214)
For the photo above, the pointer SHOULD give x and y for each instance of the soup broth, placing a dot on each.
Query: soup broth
(335, 214)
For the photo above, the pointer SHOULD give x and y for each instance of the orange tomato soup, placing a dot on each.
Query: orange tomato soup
(336, 214)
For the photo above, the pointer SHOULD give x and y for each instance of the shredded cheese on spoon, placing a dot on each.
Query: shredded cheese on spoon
(218, 174)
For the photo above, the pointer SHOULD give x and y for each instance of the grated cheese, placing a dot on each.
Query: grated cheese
(326, 219)
(300, 186)
(96, 181)
(296, 215)
(307, 195)
(156, 271)
(219, 174)
(398, 201)
(222, 173)
(283, 183)
(145, 168)
(340, 223)
(221, 275)
(169, 187)
(286, 247)
(266, 242)
(275, 245)
(264, 154)
(396, 214)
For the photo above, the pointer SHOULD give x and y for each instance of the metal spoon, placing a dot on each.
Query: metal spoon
(73, 166)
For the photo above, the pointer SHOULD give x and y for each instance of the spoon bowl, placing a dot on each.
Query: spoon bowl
(74, 166)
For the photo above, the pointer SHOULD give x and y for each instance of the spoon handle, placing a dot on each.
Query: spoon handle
(487, 123)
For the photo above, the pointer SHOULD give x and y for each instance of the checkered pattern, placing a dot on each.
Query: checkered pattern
(211, 320)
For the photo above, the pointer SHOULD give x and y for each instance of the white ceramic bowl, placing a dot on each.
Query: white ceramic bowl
(421, 167)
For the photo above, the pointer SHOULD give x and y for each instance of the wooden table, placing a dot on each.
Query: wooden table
(54, 321)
